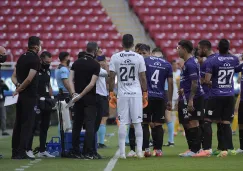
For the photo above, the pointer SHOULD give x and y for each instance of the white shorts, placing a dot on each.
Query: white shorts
(130, 110)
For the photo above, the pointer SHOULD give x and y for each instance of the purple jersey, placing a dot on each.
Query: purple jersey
(190, 72)
(205, 87)
(222, 69)
(239, 68)
(157, 71)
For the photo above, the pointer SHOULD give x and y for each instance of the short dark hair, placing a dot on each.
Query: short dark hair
(63, 55)
(33, 41)
(138, 45)
(127, 41)
(195, 52)
(223, 46)
(157, 49)
(45, 54)
(81, 54)
(144, 47)
(91, 47)
(187, 44)
(205, 43)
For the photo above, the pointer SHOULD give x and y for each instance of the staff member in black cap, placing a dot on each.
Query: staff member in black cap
(45, 103)
(82, 80)
(25, 79)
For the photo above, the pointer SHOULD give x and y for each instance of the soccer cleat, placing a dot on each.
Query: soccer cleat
(102, 146)
(154, 153)
(97, 156)
(140, 155)
(239, 151)
(159, 153)
(88, 157)
(187, 154)
(203, 153)
(1, 156)
(216, 152)
(30, 154)
(232, 152)
(169, 144)
(222, 154)
(45, 154)
(131, 154)
(122, 156)
(184, 152)
(147, 153)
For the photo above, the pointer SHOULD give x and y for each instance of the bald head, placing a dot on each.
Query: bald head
(2, 50)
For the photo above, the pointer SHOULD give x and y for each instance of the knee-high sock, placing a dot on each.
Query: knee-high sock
(102, 132)
(195, 139)
(139, 136)
(132, 138)
(219, 136)
(127, 135)
(154, 133)
(146, 136)
(207, 136)
(122, 136)
(235, 123)
(226, 137)
(170, 126)
(159, 136)
(188, 138)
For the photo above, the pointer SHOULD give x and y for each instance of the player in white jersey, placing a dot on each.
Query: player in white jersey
(132, 91)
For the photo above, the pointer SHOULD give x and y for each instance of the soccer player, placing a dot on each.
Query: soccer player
(205, 50)
(132, 91)
(190, 106)
(158, 71)
(220, 70)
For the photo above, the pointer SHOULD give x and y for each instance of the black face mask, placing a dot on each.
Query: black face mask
(68, 62)
(3, 58)
(45, 66)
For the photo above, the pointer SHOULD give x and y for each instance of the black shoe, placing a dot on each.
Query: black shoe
(97, 156)
(88, 157)
(102, 146)
(5, 134)
(169, 144)
(1, 156)
(75, 155)
(22, 157)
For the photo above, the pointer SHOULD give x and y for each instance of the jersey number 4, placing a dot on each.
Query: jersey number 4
(125, 74)
(155, 77)
(225, 76)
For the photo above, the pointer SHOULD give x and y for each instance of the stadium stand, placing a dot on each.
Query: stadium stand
(61, 25)
(169, 21)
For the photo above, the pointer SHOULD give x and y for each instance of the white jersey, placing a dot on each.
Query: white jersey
(127, 65)
(176, 76)
(101, 83)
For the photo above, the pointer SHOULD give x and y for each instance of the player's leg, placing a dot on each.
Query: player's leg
(240, 121)
(158, 118)
(136, 114)
(132, 141)
(124, 119)
(146, 132)
(170, 125)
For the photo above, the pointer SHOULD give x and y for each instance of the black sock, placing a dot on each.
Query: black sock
(207, 136)
(146, 136)
(159, 137)
(187, 138)
(195, 139)
(153, 130)
(201, 126)
(132, 139)
(241, 138)
(227, 137)
(219, 136)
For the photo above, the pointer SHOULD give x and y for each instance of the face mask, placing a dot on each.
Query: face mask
(45, 66)
(3, 58)
(68, 62)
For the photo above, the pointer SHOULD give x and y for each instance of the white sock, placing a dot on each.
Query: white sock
(122, 137)
(139, 136)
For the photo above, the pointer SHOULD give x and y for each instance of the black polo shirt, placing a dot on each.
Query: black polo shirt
(27, 61)
(85, 67)
(44, 77)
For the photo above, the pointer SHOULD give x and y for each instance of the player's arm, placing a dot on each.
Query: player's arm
(112, 81)
(70, 82)
(50, 90)
(14, 78)
(143, 81)
(64, 77)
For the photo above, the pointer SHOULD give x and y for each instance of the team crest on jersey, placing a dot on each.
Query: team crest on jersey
(226, 64)
(198, 113)
(157, 64)
(48, 72)
(127, 61)
(210, 112)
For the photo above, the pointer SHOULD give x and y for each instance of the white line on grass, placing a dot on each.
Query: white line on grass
(110, 166)
(31, 163)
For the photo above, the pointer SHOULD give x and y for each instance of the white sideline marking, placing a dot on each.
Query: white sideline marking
(31, 163)
(110, 166)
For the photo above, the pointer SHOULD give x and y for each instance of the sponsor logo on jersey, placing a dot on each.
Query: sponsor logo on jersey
(126, 55)
(225, 58)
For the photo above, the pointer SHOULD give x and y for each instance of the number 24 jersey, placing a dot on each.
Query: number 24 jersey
(127, 65)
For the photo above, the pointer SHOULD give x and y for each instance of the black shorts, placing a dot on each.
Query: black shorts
(197, 114)
(205, 104)
(220, 108)
(102, 105)
(240, 113)
(155, 111)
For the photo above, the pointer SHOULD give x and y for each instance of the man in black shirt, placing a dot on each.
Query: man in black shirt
(82, 80)
(25, 79)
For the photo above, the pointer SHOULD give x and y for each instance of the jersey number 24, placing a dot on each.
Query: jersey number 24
(126, 73)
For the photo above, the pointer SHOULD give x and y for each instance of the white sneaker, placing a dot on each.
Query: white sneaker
(239, 151)
(45, 154)
(30, 154)
(122, 156)
(188, 154)
(140, 155)
(132, 154)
